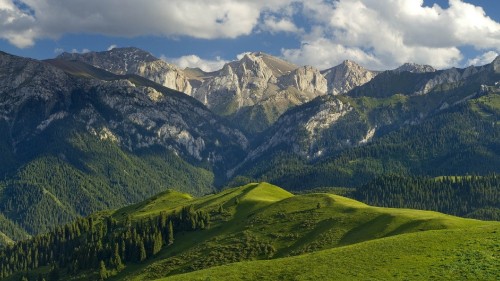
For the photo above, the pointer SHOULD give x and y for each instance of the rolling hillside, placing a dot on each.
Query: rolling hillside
(262, 221)
(460, 254)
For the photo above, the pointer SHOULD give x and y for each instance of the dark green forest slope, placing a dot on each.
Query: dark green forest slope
(462, 139)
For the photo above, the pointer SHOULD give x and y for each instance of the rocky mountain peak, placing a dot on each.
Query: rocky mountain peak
(306, 79)
(120, 57)
(415, 68)
(277, 65)
(142, 114)
(258, 88)
(29, 75)
(252, 66)
(346, 76)
(350, 63)
(237, 84)
(135, 61)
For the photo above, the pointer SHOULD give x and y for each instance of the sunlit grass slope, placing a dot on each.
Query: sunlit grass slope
(262, 221)
(458, 254)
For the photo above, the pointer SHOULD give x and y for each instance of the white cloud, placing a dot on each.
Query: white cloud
(376, 33)
(241, 55)
(196, 18)
(83, 51)
(195, 61)
(385, 34)
(58, 50)
(324, 53)
(112, 47)
(483, 59)
(274, 25)
(17, 26)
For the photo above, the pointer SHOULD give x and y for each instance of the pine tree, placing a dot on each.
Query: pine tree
(103, 272)
(157, 243)
(170, 233)
(116, 260)
(142, 251)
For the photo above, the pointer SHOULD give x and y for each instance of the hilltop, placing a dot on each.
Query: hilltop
(255, 222)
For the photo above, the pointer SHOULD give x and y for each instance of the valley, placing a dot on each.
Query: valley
(118, 165)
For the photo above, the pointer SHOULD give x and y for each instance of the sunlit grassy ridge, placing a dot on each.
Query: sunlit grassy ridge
(459, 254)
(262, 221)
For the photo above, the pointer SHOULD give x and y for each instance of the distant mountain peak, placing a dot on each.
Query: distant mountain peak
(350, 63)
(125, 53)
(131, 60)
(414, 68)
(346, 76)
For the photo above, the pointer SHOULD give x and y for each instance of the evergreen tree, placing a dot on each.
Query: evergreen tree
(157, 243)
(170, 233)
(116, 260)
(141, 251)
(103, 272)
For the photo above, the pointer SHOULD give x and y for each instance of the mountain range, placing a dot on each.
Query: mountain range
(94, 131)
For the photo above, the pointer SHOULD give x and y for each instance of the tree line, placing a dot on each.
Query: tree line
(100, 245)
(470, 196)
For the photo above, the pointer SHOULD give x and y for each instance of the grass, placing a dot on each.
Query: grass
(459, 254)
(164, 202)
(265, 222)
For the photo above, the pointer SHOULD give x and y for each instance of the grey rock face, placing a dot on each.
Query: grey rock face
(415, 68)
(240, 83)
(259, 88)
(346, 76)
(451, 75)
(34, 95)
(303, 129)
(306, 79)
(136, 61)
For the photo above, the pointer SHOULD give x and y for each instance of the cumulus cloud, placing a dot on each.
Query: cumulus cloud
(483, 59)
(197, 18)
(195, 61)
(385, 34)
(16, 25)
(275, 25)
(324, 53)
(241, 55)
(379, 34)
(83, 51)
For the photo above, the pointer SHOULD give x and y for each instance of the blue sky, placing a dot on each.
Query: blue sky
(378, 34)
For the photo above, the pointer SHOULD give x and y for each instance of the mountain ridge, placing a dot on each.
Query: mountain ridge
(72, 128)
(75, 144)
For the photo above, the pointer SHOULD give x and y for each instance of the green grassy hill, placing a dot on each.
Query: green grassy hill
(459, 254)
(262, 221)
(329, 234)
